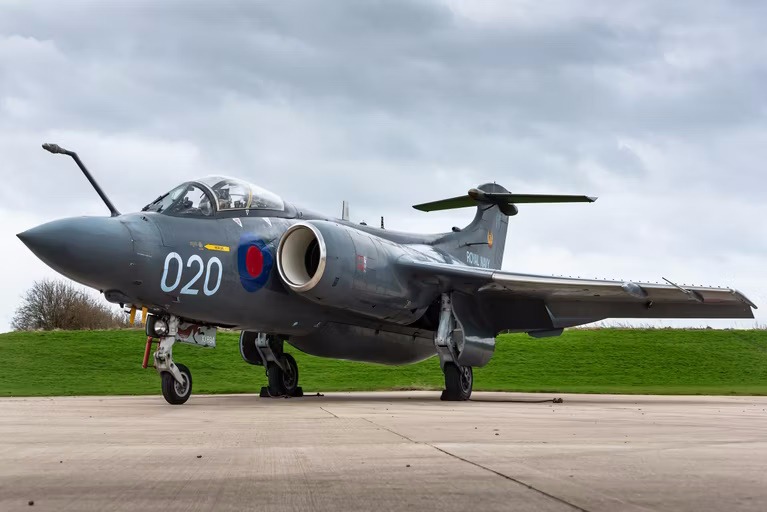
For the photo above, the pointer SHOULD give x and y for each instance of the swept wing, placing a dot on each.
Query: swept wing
(505, 296)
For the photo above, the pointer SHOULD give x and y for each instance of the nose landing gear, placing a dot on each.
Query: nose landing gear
(176, 378)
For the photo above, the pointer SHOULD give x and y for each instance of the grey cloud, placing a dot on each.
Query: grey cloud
(659, 107)
(408, 58)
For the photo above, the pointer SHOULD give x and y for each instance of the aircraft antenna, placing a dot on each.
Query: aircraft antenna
(345, 210)
(55, 148)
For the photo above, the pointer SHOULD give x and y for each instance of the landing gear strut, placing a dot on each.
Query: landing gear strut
(281, 369)
(175, 377)
(459, 380)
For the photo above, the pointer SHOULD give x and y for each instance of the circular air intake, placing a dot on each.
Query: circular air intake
(301, 257)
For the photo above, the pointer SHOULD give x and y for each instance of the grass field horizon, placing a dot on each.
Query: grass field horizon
(621, 361)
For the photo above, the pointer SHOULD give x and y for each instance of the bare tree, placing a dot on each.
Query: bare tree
(54, 304)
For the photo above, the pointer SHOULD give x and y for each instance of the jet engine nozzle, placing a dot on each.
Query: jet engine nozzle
(301, 257)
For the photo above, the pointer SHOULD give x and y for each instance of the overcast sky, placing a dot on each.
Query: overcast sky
(658, 107)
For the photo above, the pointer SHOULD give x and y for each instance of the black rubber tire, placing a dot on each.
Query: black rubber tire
(459, 381)
(248, 349)
(290, 377)
(274, 375)
(172, 391)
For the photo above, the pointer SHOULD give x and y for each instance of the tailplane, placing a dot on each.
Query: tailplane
(481, 243)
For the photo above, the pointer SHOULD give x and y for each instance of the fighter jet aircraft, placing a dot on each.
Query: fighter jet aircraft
(221, 252)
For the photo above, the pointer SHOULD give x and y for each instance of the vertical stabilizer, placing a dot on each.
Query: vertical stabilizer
(481, 243)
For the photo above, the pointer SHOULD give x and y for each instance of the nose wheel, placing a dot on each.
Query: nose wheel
(177, 392)
(175, 378)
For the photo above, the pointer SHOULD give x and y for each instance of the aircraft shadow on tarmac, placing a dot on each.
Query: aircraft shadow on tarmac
(249, 399)
(362, 398)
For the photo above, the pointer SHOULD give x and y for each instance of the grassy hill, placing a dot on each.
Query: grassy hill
(580, 361)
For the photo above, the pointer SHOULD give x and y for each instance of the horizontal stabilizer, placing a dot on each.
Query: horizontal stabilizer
(475, 197)
(540, 198)
(447, 204)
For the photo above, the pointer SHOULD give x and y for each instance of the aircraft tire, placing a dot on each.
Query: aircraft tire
(290, 378)
(274, 374)
(173, 392)
(459, 381)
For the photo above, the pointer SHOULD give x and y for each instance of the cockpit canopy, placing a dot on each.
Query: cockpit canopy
(206, 196)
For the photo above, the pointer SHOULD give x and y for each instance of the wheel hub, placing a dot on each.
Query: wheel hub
(182, 388)
(466, 378)
(289, 378)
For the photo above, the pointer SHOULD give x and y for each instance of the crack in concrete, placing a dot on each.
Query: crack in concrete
(476, 464)
(328, 412)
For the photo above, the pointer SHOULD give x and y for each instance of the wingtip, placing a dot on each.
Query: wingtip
(744, 299)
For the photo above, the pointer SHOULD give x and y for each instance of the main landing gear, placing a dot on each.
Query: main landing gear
(459, 380)
(266, 350)
(175, 377)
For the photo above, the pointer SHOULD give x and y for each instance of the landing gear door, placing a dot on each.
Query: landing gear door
(476, 342)
(195, 334)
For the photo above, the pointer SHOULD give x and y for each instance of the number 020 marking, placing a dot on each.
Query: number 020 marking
(194, 260)
(206, 288)
(164, 282)
(187, 289)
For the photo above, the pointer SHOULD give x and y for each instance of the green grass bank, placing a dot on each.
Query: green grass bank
(648, 361)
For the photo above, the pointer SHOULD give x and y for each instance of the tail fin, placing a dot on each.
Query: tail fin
(481, 243)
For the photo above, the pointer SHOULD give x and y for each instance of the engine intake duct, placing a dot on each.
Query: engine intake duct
(345, 268)
(301, 257)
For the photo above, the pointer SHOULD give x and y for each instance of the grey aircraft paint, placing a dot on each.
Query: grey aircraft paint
(222, 252)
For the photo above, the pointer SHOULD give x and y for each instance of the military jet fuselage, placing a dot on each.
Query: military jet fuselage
(222, 252)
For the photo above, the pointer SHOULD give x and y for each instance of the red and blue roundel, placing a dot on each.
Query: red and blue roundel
(254, 262)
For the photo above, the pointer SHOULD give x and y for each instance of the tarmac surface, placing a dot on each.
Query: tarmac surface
(384, 451)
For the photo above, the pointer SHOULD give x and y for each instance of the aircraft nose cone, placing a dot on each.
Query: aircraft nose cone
(95, 251)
